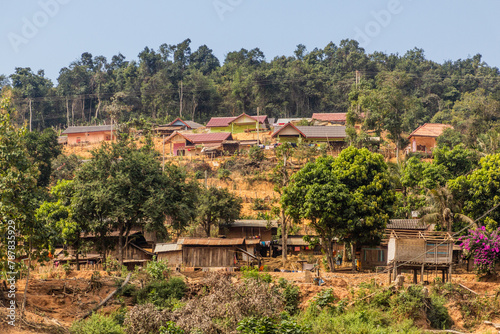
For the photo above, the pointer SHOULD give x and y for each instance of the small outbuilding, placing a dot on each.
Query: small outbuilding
(420, 251)
(170, 252)
(211, 252)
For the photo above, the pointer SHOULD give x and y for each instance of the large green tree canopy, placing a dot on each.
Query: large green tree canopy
(349, 198)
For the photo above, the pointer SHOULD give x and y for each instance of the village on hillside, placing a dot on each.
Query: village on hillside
(328, 191)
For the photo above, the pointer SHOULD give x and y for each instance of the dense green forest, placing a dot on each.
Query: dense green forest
(400, 92)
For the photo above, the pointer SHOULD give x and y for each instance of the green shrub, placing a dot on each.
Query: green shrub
(291, 296)
(259, 204)
(157, 270)
(171, 328)
(223, 174)
(255, 153)
(324, 299)
(162, 294)
(266, 325)
(96, 324)
(409, 303)
(253, 273)
(199, 175)
(438, 314)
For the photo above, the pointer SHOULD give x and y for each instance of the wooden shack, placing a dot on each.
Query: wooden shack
(172, 253)
(211, 252)
(373, 257)
(420, 251)
(251, 229)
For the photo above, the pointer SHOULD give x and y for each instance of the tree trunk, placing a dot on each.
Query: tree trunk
(181, 96)
(77, 254)
(67, 112)
(120, 244)
(98, 107)
(284, 237)
(353, 255)
(329, 254)
(195, 105)
(72, 112)
(208, 226)
(27, 279)
(83, 110)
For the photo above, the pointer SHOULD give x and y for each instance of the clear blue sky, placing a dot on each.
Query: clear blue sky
(445, 29)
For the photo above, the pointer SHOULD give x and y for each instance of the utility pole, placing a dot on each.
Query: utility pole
(258, 125)
(163, 165)
(31, 115)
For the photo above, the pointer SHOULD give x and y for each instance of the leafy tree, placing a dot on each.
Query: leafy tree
(348, 198)
(59, 216)
(443, 210)
(123, 187)
(281, 177)
(217, 206)
(18, 196)
(43, 148)
(479, 190)
(457, 160)
(64, 167)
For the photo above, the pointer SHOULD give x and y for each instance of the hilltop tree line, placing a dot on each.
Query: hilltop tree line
(395, 93)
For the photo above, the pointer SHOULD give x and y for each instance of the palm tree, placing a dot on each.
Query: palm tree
(443, 210)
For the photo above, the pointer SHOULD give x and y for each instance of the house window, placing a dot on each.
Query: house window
(381, 255)
(78, 140)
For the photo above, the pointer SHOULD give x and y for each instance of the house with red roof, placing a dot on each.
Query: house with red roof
(238, 124)
(336, 118)
(190, 144)
(423, 138)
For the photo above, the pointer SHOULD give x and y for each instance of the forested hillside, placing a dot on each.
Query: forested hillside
(397, 92)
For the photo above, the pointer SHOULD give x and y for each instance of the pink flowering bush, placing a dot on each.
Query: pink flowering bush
(483, 247)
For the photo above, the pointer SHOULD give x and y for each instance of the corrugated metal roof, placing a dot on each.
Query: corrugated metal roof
(162, 248)
(329, 117)
(193, 124)
(211, 241)
(84, 129)
(200, 138)
(288, 120)
(220, 121)
(326, 132)
(226, 121)
(253, 223)
(406, 224)
(430, 130)
(297, 241)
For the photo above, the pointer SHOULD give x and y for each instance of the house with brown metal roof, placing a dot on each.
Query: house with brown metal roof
(336, 118)
(311, 134)
(89, 134)
(177, 125)
(190, 144)
(423, 138)
(238, 124)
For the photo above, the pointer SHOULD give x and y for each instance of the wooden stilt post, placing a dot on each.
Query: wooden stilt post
(414, 276)
(422, 274)
(443, 272)
(450, 270)
(390, 275)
